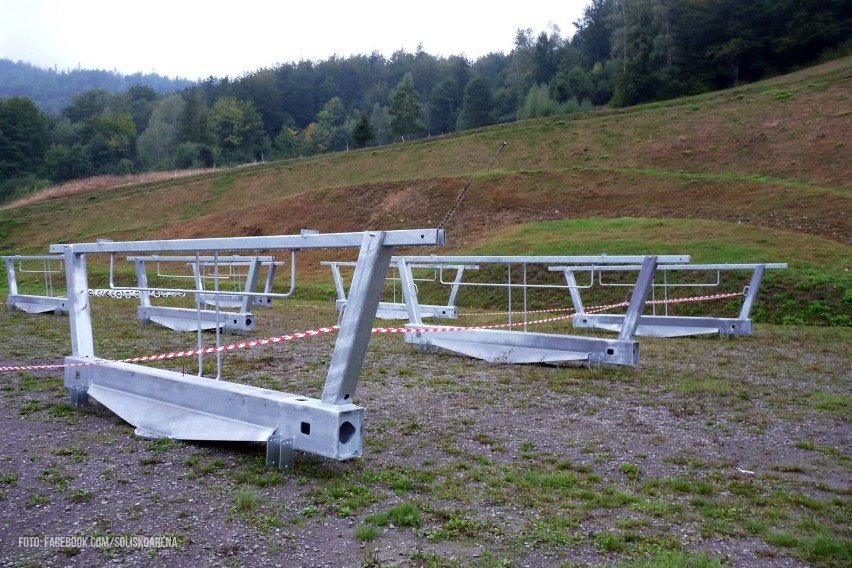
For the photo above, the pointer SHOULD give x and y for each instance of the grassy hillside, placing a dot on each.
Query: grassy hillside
(711, 453)
(760, 173)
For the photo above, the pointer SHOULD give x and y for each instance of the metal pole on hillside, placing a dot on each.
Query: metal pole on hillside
(458, 201)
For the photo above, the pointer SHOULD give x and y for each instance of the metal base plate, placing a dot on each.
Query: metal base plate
(501, 346)
(187, 319)
(162, 403)
(38, 304)
(668, 326)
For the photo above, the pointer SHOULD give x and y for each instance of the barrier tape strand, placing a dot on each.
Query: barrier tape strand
(324, 330)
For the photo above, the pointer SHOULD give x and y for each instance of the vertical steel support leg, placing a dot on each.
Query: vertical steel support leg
(454, 291)
(637, 301)
(251, 284)
(142, 279)
(753, 286)
(574, 291)
(357, 322)
(270, 278)
(338, 282)
(79, 309)
(409, 292)
(199, 281)
(13, 278)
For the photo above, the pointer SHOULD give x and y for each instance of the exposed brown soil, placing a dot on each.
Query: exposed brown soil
(497, 204)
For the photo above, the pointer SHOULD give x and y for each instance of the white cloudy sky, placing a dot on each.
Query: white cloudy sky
(199, 38)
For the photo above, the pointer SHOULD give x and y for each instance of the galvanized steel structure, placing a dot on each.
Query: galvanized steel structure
(45, 265)
(396, 308)
(665, 325)
(508, 346)
(167, 403)
(222, 301)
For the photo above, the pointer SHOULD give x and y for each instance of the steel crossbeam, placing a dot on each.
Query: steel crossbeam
(163, 403)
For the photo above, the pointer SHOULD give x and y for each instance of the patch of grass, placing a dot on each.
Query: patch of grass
(830, 402)
(76, 453)
(675, 559)
(199, 466)
(161, 445)
(455, 524)
(9, 479)
(367, 532)
(309, 511)
(61, 410)
(222, 183)
(610, 542)
(80, 496)
(150, 460)
(782, 538)
(544, 480)
(36, 500)
(56, 477)
(265, 523)
(553, 531)
(410, 428)
(256, 473)
(30, 406)
(346, 495)
(405, 514)
(246, 499)
(630, 470)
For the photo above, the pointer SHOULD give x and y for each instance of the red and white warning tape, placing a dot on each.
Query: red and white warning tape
(696, 298)
(323, 330)
(189, 353)
(650, 302)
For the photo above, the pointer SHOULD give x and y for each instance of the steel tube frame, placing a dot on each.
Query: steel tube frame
(527, 347)
(399, 310)
(167, 403)
(666, 325)
(34, 303)
(185, 319)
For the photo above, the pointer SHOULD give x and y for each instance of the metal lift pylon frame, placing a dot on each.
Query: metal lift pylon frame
(669, 325)
(189, 319)
(398, 310)
(516, 347)
(31, 303)
(162, 403)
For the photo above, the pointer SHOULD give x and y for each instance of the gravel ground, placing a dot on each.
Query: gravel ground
(739, 449)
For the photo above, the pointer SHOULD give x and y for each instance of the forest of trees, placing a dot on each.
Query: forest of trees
(623, 52)
(52, 90)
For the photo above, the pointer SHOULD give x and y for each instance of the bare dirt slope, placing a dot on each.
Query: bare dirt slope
(774, 154)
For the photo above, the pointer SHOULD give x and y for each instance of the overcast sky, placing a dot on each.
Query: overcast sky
(198, 38)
